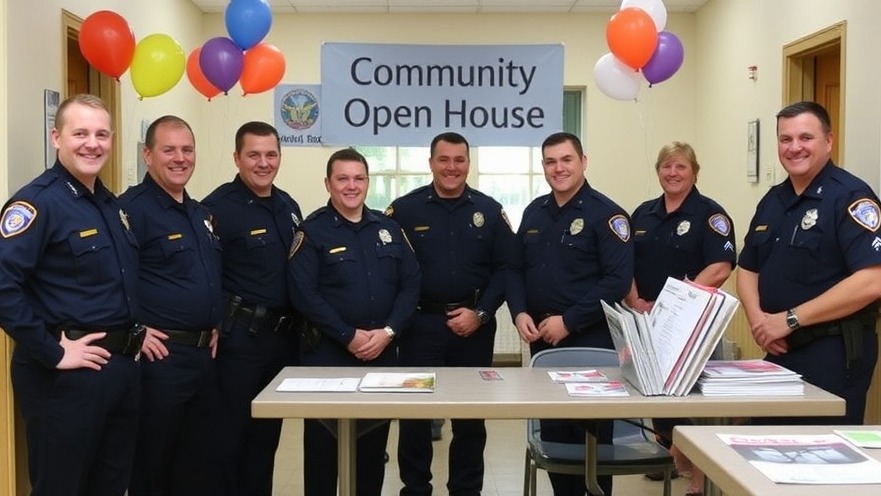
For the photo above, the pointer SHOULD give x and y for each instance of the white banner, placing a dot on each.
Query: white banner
(297, 112)
(404, 95)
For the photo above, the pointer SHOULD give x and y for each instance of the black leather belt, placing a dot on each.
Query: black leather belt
(199, 339)
(259, 318)
(127, 340)
(426, 306)
(806, 335)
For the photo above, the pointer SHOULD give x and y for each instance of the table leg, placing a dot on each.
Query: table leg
(590, 460)
(346, 456)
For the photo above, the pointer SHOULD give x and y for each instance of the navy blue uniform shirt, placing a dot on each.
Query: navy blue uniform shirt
(256, 234)
(566, 259)
(802, 245)
(67, 260)
(180, 259)
(461, 244)
(679, 244)
(348, 276)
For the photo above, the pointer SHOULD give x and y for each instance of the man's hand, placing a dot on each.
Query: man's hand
(463, 321)
(82, 353)
(359, 340)
(552, 330)
(154, 345)
(769, 333)
(526, 327)
(377, 340)
(641, 305)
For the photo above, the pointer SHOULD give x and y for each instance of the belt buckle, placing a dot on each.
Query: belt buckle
(204, 339)
(135, 340)
(283, 321)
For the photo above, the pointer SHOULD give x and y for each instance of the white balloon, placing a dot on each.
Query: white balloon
(654, 8)
(615, 79)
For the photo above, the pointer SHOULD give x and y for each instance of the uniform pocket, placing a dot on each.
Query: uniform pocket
(93, 258)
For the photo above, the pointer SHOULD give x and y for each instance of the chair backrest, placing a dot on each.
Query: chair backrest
(575, 357)
(588, 357)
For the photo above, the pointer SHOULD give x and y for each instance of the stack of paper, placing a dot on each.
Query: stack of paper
(610, 388)
(398, 382)
(566, 376)
(749, 377)
(664, 352)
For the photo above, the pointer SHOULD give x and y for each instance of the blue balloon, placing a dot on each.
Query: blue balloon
(248, 21)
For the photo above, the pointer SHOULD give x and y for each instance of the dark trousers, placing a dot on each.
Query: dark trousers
(573, 431)
(81, 425)
(822, 363)
(177, 427)
(320, 469)
(429, 342)
(246, 362)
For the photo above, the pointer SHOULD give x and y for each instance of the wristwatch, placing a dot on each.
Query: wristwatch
(482, 316)
(389, 331)
(792, 319)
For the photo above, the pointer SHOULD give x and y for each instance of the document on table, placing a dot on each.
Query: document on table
(318, 384)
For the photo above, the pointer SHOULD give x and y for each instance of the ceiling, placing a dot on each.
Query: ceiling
(447, 6)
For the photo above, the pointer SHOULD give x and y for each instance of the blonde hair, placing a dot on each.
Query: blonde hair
(81, 99)
(674, 149)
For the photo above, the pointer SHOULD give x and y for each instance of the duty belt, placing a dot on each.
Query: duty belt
(851, 329)
(257, 318)
(199, 339)
(427, 306)
(126, 340)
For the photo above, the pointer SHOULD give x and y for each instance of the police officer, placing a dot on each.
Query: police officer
(356, 280)
(256, 223)
(572, 250)
(180, 304)
(68, 283)
(810, 269)
(684, 235)
(461, 238)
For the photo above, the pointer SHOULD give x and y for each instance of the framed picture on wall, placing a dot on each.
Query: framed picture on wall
(752, 151)
(51, 99)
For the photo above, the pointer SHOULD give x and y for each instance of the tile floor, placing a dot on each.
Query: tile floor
(504, 465)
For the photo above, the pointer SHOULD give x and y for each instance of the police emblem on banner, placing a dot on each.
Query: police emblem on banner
(576, 226)
(620, 226)
(866, 213)
(297, 243)
(683, 227)
(17, 218)
(810, 219)
(477, 219)
(720, 224)
(385, 236)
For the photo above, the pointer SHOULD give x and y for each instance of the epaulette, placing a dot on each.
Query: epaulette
(317, 213)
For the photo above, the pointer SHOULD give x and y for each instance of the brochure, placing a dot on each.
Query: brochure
(565, 376)
(318, 384)
(611, 388)
(398, 382)
(863, 439)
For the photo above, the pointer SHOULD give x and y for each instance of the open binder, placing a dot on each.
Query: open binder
(664, 352)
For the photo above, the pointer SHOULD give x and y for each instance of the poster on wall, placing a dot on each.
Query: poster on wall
(297, 113)
(403, 95)
(51, 100)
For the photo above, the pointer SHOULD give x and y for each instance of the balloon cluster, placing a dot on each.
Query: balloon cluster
(158, 62)
(637, 42)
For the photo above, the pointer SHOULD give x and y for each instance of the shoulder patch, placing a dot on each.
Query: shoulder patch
(17, 218)
(720, 224)
(864, 211)
(620, 226)
(298, 242)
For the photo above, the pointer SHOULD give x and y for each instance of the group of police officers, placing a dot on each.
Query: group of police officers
(218, 296)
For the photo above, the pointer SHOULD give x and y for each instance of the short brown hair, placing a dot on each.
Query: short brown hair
(84, 99)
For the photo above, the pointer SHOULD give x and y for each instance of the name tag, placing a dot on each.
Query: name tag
(338, 249)
(173, 237)
(88, 232)
(421, 228)
(761, 228)
(257, 232)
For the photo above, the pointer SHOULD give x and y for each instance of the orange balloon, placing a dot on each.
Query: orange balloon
(632, 36)
(263, 67)
(107, 42)
(197, 78)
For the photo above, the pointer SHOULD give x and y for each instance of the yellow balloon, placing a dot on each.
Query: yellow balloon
(158, 65)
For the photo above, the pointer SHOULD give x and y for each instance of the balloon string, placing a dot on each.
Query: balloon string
(644, 111)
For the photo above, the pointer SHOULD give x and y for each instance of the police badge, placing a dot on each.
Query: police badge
(810, 219)
(866, 213)
(385, 236)
(683, 227)
(576, 226)
(477, 219)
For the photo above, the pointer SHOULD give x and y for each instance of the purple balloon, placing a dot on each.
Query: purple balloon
(666, 60)
(221, 61)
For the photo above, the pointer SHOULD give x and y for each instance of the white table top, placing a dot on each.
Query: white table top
(523, 393)
(733, 474)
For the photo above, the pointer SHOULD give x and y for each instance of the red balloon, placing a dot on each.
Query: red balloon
(107, 42)
(632, 36)
(197, 78)
(263, 68)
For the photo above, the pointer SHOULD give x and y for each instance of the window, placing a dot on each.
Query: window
(512, 175)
